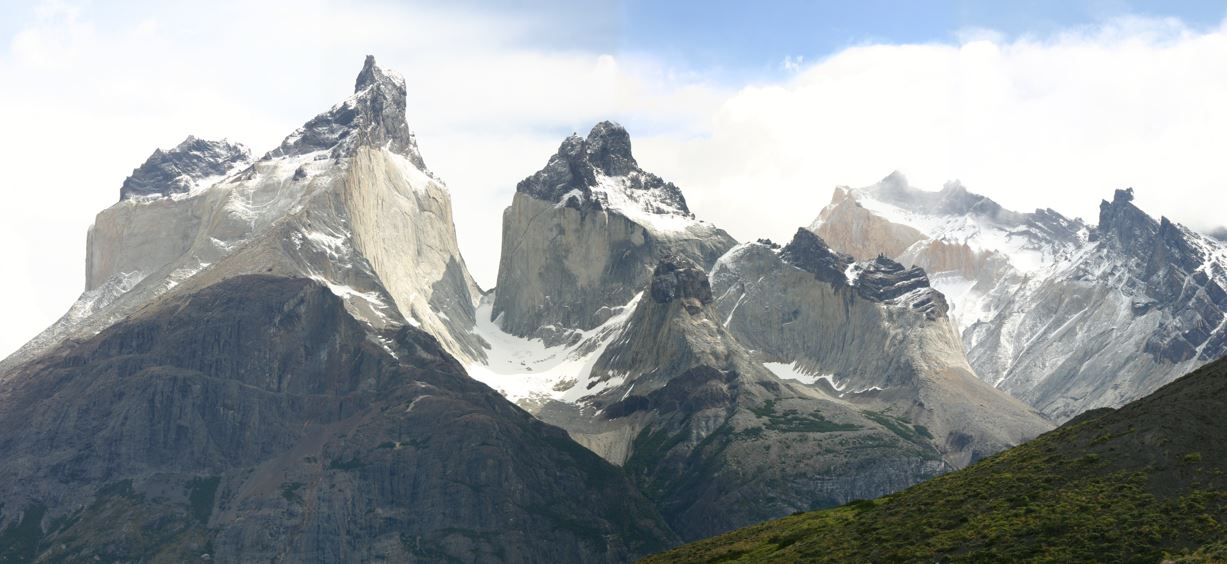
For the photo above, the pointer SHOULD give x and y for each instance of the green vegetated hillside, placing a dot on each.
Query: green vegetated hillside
(1143, 483)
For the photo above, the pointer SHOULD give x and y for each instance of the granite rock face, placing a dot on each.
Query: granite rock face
(257, 420)
(874, 334)
(344, 200)
(605, 323)
(606, 151)
(180, 169)
(715, 439)
(583, 234)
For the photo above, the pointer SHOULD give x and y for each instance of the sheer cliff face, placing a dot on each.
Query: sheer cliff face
(1063, 315)
(257, 419)
(874, 333)
(582, 235)
(345, 199)
(715, 439)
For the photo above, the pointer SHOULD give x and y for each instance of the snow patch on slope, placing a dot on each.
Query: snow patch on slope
(527, 372)
(977, 232)
(791, 371)
(645, 207)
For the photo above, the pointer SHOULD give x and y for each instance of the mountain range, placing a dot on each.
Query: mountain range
(285, 358)
(1064, 315)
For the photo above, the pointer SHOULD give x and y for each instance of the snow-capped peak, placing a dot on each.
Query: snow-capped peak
(1066, 315)
(192, 163)
(374, 116)
(599, 172)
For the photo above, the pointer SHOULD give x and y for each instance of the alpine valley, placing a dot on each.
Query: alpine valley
(284, 358)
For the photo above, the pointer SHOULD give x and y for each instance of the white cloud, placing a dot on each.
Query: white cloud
(1033, 122)
(86, 93)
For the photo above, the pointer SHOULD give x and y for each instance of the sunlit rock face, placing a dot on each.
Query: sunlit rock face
(583, 234)
(874, 333)
(346, 200)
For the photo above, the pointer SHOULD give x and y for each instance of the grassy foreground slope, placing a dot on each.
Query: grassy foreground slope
(1142, 483)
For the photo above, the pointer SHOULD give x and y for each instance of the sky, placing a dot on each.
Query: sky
(757, 110)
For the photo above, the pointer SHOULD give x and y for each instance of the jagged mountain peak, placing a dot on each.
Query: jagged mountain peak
(345, 199)
(373, 74)
(1124, 225)
(891, 216)
(884, 280)
(183, 167)
(599, 172)
(587, 231)
(374, 116)
(683, 395)
(953, 199)
(1122, 200)
(810, 253)
(1048, 286)
(609, 149)
(1172, 269)
(879, 279)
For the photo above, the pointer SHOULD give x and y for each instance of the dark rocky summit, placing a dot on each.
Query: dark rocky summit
(883, 279)
(178, 170)
(1169, 272)
(373, 117)
(256, 420)
(583, 234)
(879, 280)
(810, 253)
(1124, 225)
(606, 151)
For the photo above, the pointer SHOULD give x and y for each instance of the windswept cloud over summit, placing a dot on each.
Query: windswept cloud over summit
(1055, 121)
